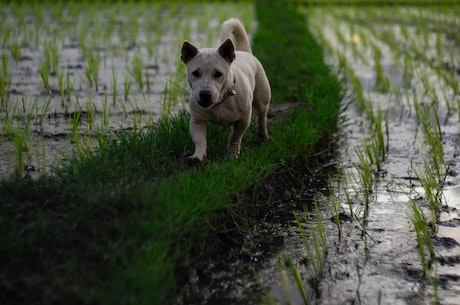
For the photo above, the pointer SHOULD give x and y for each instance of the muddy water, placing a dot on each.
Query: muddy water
(375, 260)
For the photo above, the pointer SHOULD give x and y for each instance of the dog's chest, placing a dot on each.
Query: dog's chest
(223, 117)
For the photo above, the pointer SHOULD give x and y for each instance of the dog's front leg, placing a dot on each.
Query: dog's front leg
(234, 142)
(198, 133)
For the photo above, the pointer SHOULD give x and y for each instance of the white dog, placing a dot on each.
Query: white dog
(224, 85)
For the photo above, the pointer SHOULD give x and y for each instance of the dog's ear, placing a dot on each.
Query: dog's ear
(188, 51)
(227, 51)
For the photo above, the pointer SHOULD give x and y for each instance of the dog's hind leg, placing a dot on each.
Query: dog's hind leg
(262, 96)
(262, 131)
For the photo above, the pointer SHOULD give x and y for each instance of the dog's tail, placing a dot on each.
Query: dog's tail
(234, 27)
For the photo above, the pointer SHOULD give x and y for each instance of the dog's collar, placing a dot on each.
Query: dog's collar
(230, 92)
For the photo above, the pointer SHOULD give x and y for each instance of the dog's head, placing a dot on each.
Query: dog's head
(208, 72)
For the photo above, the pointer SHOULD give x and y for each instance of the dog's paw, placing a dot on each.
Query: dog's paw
(233, 151)
(193, 161)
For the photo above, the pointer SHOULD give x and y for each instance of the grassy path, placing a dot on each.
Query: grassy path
(117, 226)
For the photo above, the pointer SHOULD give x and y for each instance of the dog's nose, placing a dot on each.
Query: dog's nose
(205, 98)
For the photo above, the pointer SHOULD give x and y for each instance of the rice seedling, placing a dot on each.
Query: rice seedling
(21, 136)
(147, 81)
(82, 37)
(53, 53)
(382, 82)
(379, 144)
(6, 35)
(136, 70)
(315, 247)
(169, 96)
(20, 142)
(126, 88)
(5, 80)
(40, 157)
(336, 209)
(15, 50)
(43, 70)
(90, 114)
(426, 251)
(296, 275)
(364, 169)
(151, 41)
(92, 69)
(61, 87)
(285, 279)
(433, 136)
(114, 85)
(74, 122)
(44, 111)
(105, 118)
(433, 191)
(69, 87)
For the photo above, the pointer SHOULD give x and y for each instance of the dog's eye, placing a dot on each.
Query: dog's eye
(217, 74)
(196, 73)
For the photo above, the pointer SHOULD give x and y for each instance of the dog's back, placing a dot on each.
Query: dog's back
(233, 27)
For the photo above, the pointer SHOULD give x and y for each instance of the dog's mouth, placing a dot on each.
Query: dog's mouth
(205, 99)
(205, 103)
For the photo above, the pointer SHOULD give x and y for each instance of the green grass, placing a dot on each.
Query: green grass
(118, 224)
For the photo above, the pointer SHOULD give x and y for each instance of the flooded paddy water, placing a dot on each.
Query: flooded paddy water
(394, 61)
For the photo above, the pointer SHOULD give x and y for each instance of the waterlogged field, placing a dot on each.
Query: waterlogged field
(74, 73)
(400, 153)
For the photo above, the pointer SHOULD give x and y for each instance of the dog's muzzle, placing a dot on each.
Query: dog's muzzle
(205, 100)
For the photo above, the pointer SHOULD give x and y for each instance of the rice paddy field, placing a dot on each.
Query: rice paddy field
(373, 220)
(75, 72)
